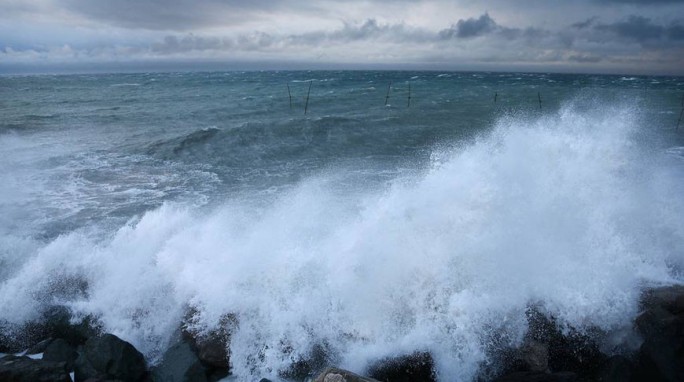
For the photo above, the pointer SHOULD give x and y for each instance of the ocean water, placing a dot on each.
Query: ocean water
(366, 227)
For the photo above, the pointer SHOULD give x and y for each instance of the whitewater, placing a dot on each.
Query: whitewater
(368, 231)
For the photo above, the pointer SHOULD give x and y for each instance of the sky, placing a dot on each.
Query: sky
(583, 36)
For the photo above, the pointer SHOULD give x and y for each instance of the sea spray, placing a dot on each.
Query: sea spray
(566, 212)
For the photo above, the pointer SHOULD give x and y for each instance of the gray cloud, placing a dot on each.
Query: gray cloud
(369, 30)
(172, 14)
(643, 30)
(470, 28)
(585, 24)
(186, 30)
(639, 2)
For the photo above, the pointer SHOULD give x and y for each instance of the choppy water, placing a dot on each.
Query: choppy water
(373, 229)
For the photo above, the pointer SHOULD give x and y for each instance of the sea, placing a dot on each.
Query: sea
(361, 215)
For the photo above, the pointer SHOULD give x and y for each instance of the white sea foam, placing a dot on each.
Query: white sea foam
(565, 211)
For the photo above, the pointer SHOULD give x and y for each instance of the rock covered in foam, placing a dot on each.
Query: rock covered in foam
(109, 357)
(211, 347)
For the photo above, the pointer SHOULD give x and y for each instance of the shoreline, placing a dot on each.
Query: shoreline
(60, 349)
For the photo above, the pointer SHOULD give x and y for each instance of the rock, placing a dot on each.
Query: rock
(661, 324)
(180, 364)
(535, 356)
(39, 347)
(536, 376)
(416, 367)
(211, 347)
(109, 357)
(572, 352)
(60, 351)
(318, 357)
(333, 374)
(617, 369)
(25, 369)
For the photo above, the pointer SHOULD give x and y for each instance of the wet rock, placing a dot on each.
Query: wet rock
(60, 351)
(211, 347)
(536, 376)
(534, 355)
(333, 374)
(25, 369)
(54, 322)
(571, 352)
(416, 367)
(318, 357)
(109, 357)
(39, 347)
(661, 324)
(180, 364)
(617, 369)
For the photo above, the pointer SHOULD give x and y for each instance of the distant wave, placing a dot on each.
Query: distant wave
(174, 146)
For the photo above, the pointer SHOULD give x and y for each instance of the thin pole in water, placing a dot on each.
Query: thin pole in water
(409, 96)
(496, 95)
(539, 96)
(306, 105)
(681, 113)
(289, 95)
(388, 91)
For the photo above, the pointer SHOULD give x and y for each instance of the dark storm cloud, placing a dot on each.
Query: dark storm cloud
(470, 28)
(486, 25)
(369, 30)
(585, 24)
(643, 30)
(586, 33)
(639, 2)
(170, 14)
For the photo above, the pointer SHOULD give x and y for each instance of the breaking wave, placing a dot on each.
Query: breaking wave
(567, 212)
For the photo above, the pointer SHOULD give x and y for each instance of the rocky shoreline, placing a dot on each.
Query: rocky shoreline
(61, 351)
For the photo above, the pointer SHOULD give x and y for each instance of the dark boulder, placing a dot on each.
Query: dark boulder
(60, 351)
(211, 347)
(616, 369)
(333, 374)
(25, 369)
(40, 346)
(180, 364)
(416, 367)
(661, 324)
(536, 376)
(54, 322)
(302, 368)
(572, 351)
(109, 357)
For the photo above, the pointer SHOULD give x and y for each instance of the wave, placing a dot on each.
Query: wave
(565, 212)
(175, 146)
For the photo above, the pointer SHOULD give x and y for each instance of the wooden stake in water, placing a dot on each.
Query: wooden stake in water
(289, 95)
(681, 113)
(388, 91)
(306, 105)
(539, 96)
(496, 95)
(409, 96)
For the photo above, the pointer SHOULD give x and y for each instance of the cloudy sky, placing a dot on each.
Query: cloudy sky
(601, 36)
